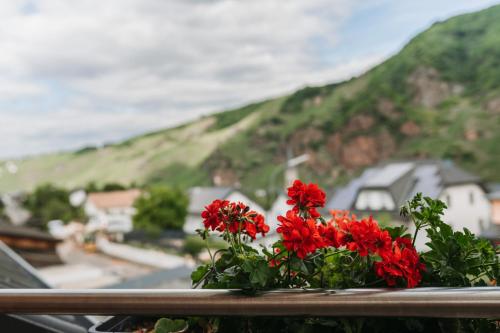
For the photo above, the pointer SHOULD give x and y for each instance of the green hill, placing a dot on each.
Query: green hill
(439, 97)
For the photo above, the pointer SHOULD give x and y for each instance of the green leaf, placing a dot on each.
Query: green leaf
(167, 325)
(199, 273)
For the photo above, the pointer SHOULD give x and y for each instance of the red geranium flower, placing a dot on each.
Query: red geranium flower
(306, 197)
(329, 234)
(299, 235)
(402, 262)
(235, 217)
(364, 236)
(213, 215)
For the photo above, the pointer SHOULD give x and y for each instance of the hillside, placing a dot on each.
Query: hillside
(439, 97)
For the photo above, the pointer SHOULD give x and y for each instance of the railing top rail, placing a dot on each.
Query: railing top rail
(418, 302)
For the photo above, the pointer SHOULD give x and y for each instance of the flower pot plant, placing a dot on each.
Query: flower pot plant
(341, 251)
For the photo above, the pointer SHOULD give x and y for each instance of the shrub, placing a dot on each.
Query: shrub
(48, 202)
(161, 208)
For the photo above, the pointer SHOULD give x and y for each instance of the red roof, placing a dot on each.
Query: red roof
(115, 199)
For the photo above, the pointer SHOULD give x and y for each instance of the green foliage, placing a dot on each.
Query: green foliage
(236, 269)
(107, 187)
(110, 187)
(179, 175)
(2, 209)
(167, 325)
(48, 202)
(161, 208)
(85, 150)
(456, 258)
(228, 118)
(298, 100)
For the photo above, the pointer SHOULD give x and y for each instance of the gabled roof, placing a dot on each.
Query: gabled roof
(403, 180)
(199, 197)
(453, 175)
(114, 199)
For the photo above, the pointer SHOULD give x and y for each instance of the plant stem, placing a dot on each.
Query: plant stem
(289, 271)
(208, 249)
(417, 228)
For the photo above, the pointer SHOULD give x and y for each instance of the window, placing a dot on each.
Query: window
(471, 198)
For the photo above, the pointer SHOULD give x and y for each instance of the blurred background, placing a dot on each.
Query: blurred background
(121, 120)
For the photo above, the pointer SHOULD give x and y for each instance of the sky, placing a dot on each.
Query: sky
(88, 72)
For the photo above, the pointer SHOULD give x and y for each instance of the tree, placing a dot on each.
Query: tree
(109, 187)
(48, 202)
(161, 208)
(2, 209)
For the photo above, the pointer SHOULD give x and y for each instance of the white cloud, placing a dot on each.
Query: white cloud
(84, 72)
(92, 71)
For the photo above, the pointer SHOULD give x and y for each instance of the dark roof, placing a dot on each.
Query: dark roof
(25, 232)
(17, 273)
(403, 180)
(453, 175)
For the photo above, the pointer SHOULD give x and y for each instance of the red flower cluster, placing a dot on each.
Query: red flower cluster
(306, 197)
(299, 235)
(399, 258)
(401, 262)
(363, 236)
(302, 234)
(235, 217)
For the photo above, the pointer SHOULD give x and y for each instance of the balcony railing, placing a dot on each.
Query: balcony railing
(419, 302)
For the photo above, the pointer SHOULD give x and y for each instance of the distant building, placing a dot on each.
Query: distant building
(199, 197)
(381, 190)
(493, 233)
(35, 246)
(111, 211)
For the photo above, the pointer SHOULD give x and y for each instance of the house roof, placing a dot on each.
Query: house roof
(388, 174)
(403, 180)
(114, 199)
(453, 175)
(17, 273)
(25, 232)
(199, 197)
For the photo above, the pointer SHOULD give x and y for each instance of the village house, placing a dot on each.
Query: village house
(199, 197)
(493, 232)
(111, 212)
(381, 191)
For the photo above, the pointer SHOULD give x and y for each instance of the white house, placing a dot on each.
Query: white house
(384, 188)
(199, 197)
(111, 211)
